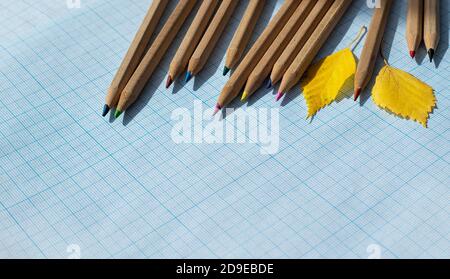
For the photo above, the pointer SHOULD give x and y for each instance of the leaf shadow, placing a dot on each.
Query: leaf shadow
(433, 109)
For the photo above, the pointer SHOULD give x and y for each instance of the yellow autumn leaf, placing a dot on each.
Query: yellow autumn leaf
(404, 95)
(327, 79)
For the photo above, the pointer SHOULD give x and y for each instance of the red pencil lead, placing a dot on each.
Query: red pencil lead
(412, 53)
(169, 81)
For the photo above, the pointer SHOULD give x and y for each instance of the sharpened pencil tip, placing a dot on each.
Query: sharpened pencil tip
(106, 109)
(357, 94)
(188, 77)
(279, 96)
(431, 54)
(169, 81)
(244, 96)
(269, 83)
(117, 114)
(412, 53)
(217, 109)
(226, 70)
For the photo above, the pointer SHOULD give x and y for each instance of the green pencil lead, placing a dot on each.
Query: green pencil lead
(225, 70)
(117, 114)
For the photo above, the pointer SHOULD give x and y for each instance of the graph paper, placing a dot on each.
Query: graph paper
(355, 182)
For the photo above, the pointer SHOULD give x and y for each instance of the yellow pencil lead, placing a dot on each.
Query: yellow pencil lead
(244, 96)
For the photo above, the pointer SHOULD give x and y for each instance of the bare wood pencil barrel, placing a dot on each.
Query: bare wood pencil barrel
(154, 55)
(211, 37)
(191, 39)
(298, 41)
(414, 25)
(372, 46)
(312, 46)
(237, 81)
(134, 54)
(431, 28)
(262, 70)
(243, 34)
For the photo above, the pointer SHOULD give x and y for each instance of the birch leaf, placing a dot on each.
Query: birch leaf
(327, 79)
(404, 95)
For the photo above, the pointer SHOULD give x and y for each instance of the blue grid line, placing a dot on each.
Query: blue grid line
(139, 195)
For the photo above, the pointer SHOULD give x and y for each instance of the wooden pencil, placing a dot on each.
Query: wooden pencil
(191, 39)
(305, 57)
(243, 34)
(372, 46)
(299, 40)
(300, 21)
(211, 37)
(414, 25)
(154, 55)
(251, 59)
(431, 28)
(134, 54)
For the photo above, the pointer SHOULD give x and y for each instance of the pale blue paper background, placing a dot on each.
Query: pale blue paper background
(355, 176)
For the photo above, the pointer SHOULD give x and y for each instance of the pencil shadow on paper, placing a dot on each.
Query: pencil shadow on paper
(421, 55)
(231, 108)
(179, 83)
(292, 95)
(262, 91)
(442, 48)
(142, 102)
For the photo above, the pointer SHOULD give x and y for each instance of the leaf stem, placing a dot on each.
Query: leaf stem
(362, 32)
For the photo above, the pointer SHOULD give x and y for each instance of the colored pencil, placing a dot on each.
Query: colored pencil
(251, 59)
(372, 46)
(211, 37)
(300, 17)
(262, 70)
(191, 39)
(154, 55)
(414, 25)
(312, 46)
(243, 34)
(134, 54)
(431, 28)
(299, 40)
